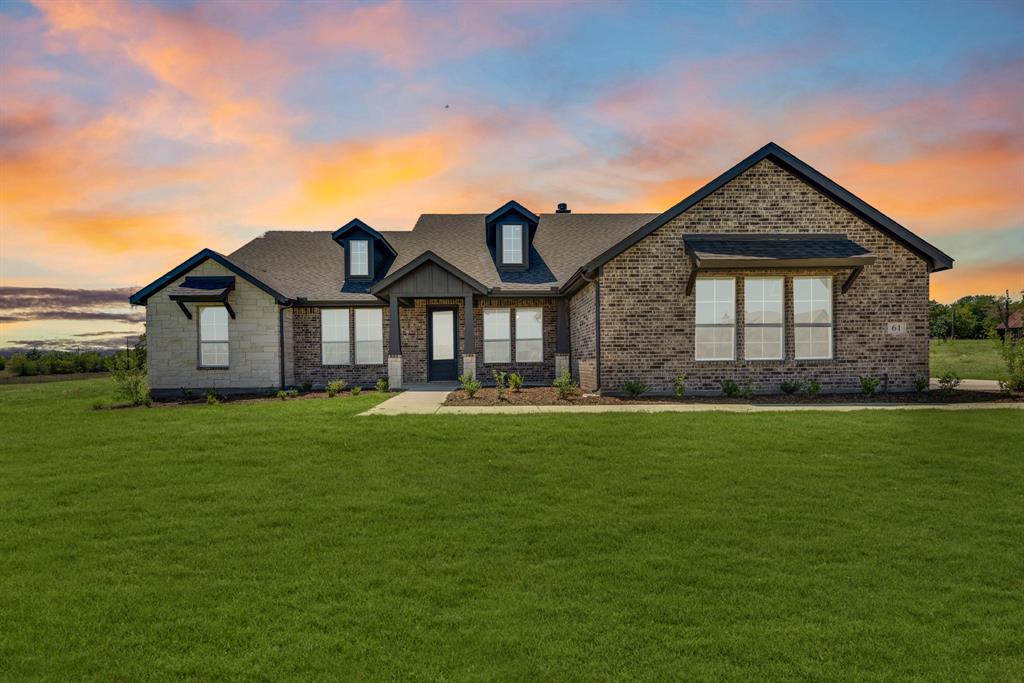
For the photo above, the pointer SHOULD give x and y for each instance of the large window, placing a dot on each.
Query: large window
(213, 337)
(511, 244)
(812, 317)
(497, 335)
(334, 336)
(369, 336)
(715, 319)
(359, 257)
(762, 330)
(529, 335)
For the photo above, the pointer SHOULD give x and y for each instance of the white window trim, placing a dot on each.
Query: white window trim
(540, 338)
(781, 325)
(830, 325)
(347, 342)
(521, 229)
(507, 340)
(355, 337)
(351, 261)
(226, 342)
(731, 327)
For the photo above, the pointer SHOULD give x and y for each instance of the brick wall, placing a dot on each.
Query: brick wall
(533, 373)
(308, 364)
(647, 329)
(582, 335)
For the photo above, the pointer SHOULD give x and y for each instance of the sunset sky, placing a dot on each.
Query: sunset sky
(133, 134)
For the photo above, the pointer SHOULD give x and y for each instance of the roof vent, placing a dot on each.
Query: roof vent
(563, 208)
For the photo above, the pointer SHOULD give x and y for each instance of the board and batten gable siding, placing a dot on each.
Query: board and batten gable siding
(253, 340)
(429, 280)
(647, 320)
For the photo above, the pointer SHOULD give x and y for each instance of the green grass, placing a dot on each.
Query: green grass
(292, 540)
(969, 358)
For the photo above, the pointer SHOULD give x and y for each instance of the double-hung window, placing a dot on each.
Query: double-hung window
(359, 258)
(762, 329)
(512, 244)
(497, 335)
(369, 336)
(213, 337)
(812, 317)
(715, 319)
(529, 335)
(334, 336)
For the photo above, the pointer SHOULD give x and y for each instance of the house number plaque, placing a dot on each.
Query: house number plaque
(896, 329)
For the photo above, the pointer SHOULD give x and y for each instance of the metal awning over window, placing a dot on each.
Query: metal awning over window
(203, 289)
(774, 250)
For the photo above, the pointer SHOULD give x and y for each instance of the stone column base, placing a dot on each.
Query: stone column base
(395, 372)
(469, 365)
(561, 364)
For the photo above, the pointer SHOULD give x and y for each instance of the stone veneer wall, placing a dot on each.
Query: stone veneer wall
(647, 329)
(253, 341)
(307, 344)
(582, 335)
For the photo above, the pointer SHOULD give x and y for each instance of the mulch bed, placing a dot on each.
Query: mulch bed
(548, 396)
(200, 398)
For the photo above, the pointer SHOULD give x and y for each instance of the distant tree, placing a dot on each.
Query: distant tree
(938, 320)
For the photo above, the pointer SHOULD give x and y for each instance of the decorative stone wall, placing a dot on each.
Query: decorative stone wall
(308, 352)
(647, 321)
(582, 334)
(253, 341)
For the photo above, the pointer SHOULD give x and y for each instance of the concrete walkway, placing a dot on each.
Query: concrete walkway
(415, 399)
(971, 384)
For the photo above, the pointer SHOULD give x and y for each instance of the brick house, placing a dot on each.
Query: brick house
(769, 272)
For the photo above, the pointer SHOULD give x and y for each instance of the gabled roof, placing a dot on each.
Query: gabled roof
(140, 297)
(1016, 321)
(426, 257)
(512, 205)
(937, 259)
(356, 224)
(737, 250)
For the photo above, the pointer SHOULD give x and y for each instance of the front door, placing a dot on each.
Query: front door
(442, 342)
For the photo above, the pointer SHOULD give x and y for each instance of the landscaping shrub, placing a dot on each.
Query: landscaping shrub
(679, 384)
(515, 381)
(1012, 351)
(357, 390)
(565, 386)
(812, 388)
(212, 398)
(748, 390)
(869, 385)
(129, 380)
(501, 384)
(470, 384)
(187, 394)
(635, 388)
(791, 386)
(335, 387)
(283, 395)
(382, 385)
(921, 384)
(948, 382)
(730, 388)
(101, 404)
(307, 387)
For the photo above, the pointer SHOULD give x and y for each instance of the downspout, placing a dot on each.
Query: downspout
(596, 281)
(280, 337)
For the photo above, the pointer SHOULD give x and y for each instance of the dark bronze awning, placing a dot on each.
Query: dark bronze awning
(203, 289)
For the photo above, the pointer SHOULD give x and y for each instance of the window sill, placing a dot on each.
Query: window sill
(213, 367)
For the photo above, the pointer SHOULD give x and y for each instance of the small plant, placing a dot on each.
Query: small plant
(283, 395)
(565, 386)
(501, 384)
(869, 385)
(470, 384)
(730, 388)
(101, 405)
(187, 394)
(679, 385)
(515, 382)
(382, 385)
(1012, 351)
(335, 387)
(635, 388)
(212, 398)
(791, 386)
(812, 388)
(307, 387)
(748, 390)
(129, 380)
(948, 382)
(921, 384)
(356, 390)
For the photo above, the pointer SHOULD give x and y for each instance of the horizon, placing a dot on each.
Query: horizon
(132, 135)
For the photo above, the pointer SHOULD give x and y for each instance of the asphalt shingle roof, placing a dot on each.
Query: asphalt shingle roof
(773, 247)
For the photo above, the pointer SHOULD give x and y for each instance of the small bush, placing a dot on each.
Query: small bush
(565, 386)
(101, 404)
(948, 382)
(470, 384)
(869, 385)
(921, 384)
(283, 395)
(730, 388)
(187, 394)
(212, 398)
(357, 390)
(515, 382)
(790, 387)
(129, 380)
(812, 388)
(748, 390)
(1012, 351)
(501, 384)
(335, 387)
(679, 385)
(635, 388)
(382, 385)
(307, 387)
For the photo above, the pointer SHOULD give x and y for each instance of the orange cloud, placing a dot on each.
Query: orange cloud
(965, 279)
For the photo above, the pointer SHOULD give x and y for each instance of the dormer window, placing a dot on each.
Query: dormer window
(512, 244)
(359, 258)
(367, 253)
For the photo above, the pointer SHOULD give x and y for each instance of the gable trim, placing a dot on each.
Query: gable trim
(140, 297)
(425, 257)
(354, 224)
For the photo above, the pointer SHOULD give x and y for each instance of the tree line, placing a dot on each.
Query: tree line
(38, 362)
(970, 317)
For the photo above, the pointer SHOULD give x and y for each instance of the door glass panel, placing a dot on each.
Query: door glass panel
(443, 334)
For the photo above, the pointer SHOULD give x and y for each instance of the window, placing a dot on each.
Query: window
(529, 335)
(359, 257)
(497, 335)
(334, 336)
(812, 317)
(512, 244)
(213, 337)
(762, 331)
(369, 336)
(716, 319)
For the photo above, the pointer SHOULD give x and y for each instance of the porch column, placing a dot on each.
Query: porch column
(394, 345)
(562, 338)
(469, 338)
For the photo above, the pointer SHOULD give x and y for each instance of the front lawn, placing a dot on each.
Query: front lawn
(292, 540)
(969, 358)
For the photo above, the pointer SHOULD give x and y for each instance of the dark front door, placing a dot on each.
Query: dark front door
(442, 344)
